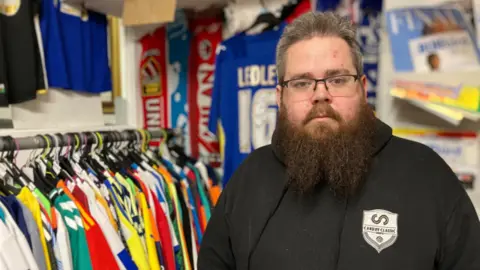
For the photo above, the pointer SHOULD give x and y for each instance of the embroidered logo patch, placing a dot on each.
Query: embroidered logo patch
(380, 228)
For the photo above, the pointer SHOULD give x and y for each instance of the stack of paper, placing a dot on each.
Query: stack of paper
(453, 103)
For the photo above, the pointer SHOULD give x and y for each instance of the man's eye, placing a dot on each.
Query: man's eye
(301, 84)
(337, 81)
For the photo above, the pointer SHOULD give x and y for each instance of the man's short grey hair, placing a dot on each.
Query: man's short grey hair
(313, 24)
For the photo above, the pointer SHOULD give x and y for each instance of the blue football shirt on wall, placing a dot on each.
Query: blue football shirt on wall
(243, 99)
(100, 78)
(75, 45)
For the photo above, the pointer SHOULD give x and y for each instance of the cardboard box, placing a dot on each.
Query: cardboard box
(133, 12)
(140, 12)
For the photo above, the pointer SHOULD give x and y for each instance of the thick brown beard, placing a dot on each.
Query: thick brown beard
(337, 158)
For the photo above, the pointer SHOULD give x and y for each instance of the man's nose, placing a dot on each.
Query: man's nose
(321, 94)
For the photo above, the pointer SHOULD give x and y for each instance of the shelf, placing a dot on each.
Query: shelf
(451, 115)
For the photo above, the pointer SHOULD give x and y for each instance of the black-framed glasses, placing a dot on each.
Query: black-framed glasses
(337, 86)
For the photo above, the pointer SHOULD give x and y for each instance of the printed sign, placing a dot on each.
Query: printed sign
(431, 39)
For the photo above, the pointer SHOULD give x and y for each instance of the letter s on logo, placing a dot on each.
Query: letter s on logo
(378, 220)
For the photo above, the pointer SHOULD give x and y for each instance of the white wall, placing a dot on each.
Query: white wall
(129, 105)
(56, 108)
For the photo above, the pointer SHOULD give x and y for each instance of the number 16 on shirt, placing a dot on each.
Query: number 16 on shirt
(257, 116)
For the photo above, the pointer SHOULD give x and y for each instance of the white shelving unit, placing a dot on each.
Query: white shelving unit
(403, 114)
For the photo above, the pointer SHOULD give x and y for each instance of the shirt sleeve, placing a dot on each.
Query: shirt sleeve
(216, 95)
(215, 251)
(460, 240)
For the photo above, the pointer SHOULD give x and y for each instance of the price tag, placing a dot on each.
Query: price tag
(28, 171)
(56, 168)
(76, 157)
(70, 185)
(78, 170)
(3, 171)
(43, 167)
(31, 186)
(112, 157)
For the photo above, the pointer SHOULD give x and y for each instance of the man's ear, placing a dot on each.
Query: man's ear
(363, 81)
(278, 93)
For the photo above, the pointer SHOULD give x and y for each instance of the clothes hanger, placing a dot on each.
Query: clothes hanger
(73, 147)
(31, 167)
(42, 155)
(66, 168)
(93, 161)
(12, 159)
(265, 20)
(163, 150)
(106, 156)
(132, 158)
(5, 189)
(4, 186)
(132, 141)
(7, 159)
(41, 169)
(146, 158)
(47, 155)
(137, 155)
(56, 171)
(179, 152)
(10, 170)
(289, 8)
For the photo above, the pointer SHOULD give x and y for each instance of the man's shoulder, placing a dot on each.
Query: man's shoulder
(413, 151)
(261, 153)
(260, 168)
(424, 166)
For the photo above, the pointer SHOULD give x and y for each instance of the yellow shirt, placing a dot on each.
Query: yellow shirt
(134, 242)
(149, 232)
(26, 197)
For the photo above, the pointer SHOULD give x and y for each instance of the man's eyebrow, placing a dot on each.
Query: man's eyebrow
(334, 72)
(305, 75)
(328, 73)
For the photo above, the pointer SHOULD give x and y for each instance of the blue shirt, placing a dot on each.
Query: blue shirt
(100, 79)
(76, 48)
(16, 211)
(243, 99)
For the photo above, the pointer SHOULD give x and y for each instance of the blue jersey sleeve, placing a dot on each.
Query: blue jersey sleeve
(214, 115)
(72, 32)
(324, 5)
(55, 63)
(100, 74)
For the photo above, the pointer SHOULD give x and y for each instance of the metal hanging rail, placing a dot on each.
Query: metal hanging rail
(8, 143)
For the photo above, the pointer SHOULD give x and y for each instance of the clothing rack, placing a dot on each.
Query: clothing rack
(8, 143)
(112, 202)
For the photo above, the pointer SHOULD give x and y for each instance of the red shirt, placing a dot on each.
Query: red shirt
(100, 252)
(165, 236)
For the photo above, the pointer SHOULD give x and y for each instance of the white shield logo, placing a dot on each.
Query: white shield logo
(380, 228)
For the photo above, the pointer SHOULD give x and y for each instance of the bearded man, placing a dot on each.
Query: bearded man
(335, 189)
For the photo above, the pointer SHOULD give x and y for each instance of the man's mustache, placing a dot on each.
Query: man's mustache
(322, 110)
